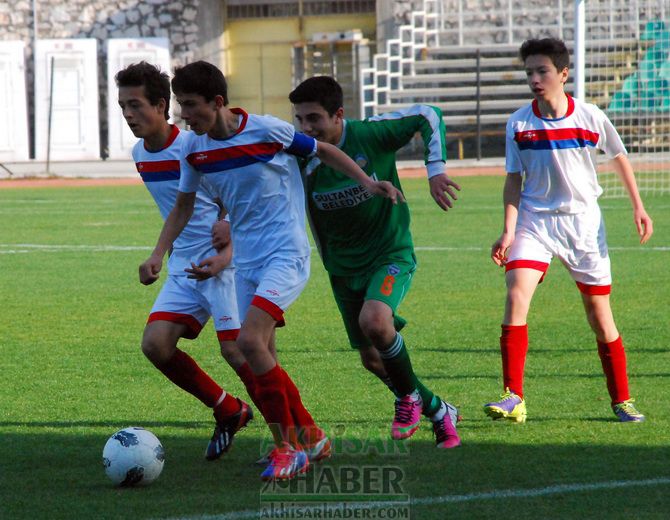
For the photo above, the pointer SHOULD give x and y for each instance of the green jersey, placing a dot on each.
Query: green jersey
(354, 230)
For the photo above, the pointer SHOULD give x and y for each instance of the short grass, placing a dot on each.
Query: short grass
(72, 373)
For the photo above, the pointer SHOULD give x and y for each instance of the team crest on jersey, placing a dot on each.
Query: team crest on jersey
(393, 269)
(361, 160)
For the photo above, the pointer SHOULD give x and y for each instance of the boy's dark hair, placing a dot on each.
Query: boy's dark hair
(323, 90)
(156, 83)
(200, 78)
(553, 48)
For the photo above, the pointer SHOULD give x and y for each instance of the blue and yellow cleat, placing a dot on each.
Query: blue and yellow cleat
(626, 411)
(510, 406)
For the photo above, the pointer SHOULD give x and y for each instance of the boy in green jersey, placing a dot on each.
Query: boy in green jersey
(365, 242)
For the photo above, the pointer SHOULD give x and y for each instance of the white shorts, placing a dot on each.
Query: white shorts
(578, 240)
(188, 301)
(272, 287)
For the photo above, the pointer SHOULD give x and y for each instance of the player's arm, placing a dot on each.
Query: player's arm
(338, 160)
(643, 222)
(214, 264)
(220, 234)
(394, 130)
(511, 198)
(173, 226)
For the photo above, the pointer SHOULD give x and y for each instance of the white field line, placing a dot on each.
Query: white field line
(477, 248)
(7, 249)
(57, 248)
(453, 499)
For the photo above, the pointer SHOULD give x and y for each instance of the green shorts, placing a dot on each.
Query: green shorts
(388, 283)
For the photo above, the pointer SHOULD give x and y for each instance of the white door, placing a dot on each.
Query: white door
(13, 106)
(74, 130)
(122, 52)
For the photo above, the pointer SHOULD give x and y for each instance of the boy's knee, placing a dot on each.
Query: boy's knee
(157, 351)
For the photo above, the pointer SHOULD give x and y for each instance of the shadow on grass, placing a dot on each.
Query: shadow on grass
(59, 475)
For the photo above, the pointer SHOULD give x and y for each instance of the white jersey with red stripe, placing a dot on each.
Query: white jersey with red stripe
(557, 157)
(160, 172)
(255, 173)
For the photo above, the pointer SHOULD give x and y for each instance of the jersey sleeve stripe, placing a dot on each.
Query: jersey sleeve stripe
(436, 149)
(302, 145)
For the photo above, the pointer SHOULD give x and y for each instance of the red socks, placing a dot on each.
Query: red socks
(184, 372)
(274, 405)
(309, 433)
(247, 377)
(513, 348)
(613, 359)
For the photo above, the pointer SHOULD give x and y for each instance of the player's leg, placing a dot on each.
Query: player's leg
(372, 362)
(612, 355)
(220, 298)
(378, 320)
(527, 262)
(263, 297)
(182, 308)
(521, 285)
(414, 398)
(590, 268)
(349, 293)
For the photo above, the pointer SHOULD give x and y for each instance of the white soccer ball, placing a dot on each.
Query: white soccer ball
(133, 457)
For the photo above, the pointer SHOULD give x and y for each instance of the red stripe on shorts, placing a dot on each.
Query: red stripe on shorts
(271, 308)
(227, 335)
(528, 264)
(594, 289)
(193, 325)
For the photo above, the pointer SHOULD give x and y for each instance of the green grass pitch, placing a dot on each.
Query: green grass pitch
(71, 372)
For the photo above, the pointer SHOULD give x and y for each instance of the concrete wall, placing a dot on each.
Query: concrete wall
(192, 27)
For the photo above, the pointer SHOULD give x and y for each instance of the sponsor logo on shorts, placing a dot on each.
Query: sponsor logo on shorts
(224, 319)
(273, 292)
(393, 269)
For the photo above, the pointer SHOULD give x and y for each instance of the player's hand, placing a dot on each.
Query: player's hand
(220, 234)
(207, 268)
(441, 186)
(387, 190)
(644, 225)
(149, 270)
(499, 249)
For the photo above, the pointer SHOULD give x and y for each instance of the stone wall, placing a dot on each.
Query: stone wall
(178, 20)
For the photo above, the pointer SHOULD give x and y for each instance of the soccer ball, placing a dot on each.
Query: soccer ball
(133, 457)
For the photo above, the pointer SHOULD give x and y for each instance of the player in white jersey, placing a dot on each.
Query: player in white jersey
(251, 161)
(201, 281)
(551, 210)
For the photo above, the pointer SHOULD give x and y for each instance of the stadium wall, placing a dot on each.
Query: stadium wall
(259, 56)
(193, 28)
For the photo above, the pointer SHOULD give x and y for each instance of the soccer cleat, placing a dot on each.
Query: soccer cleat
(510, 406)
(225, 431)
(407, 417)
(445, 432)
(626, 412)
(285, 463)
(320, 450)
